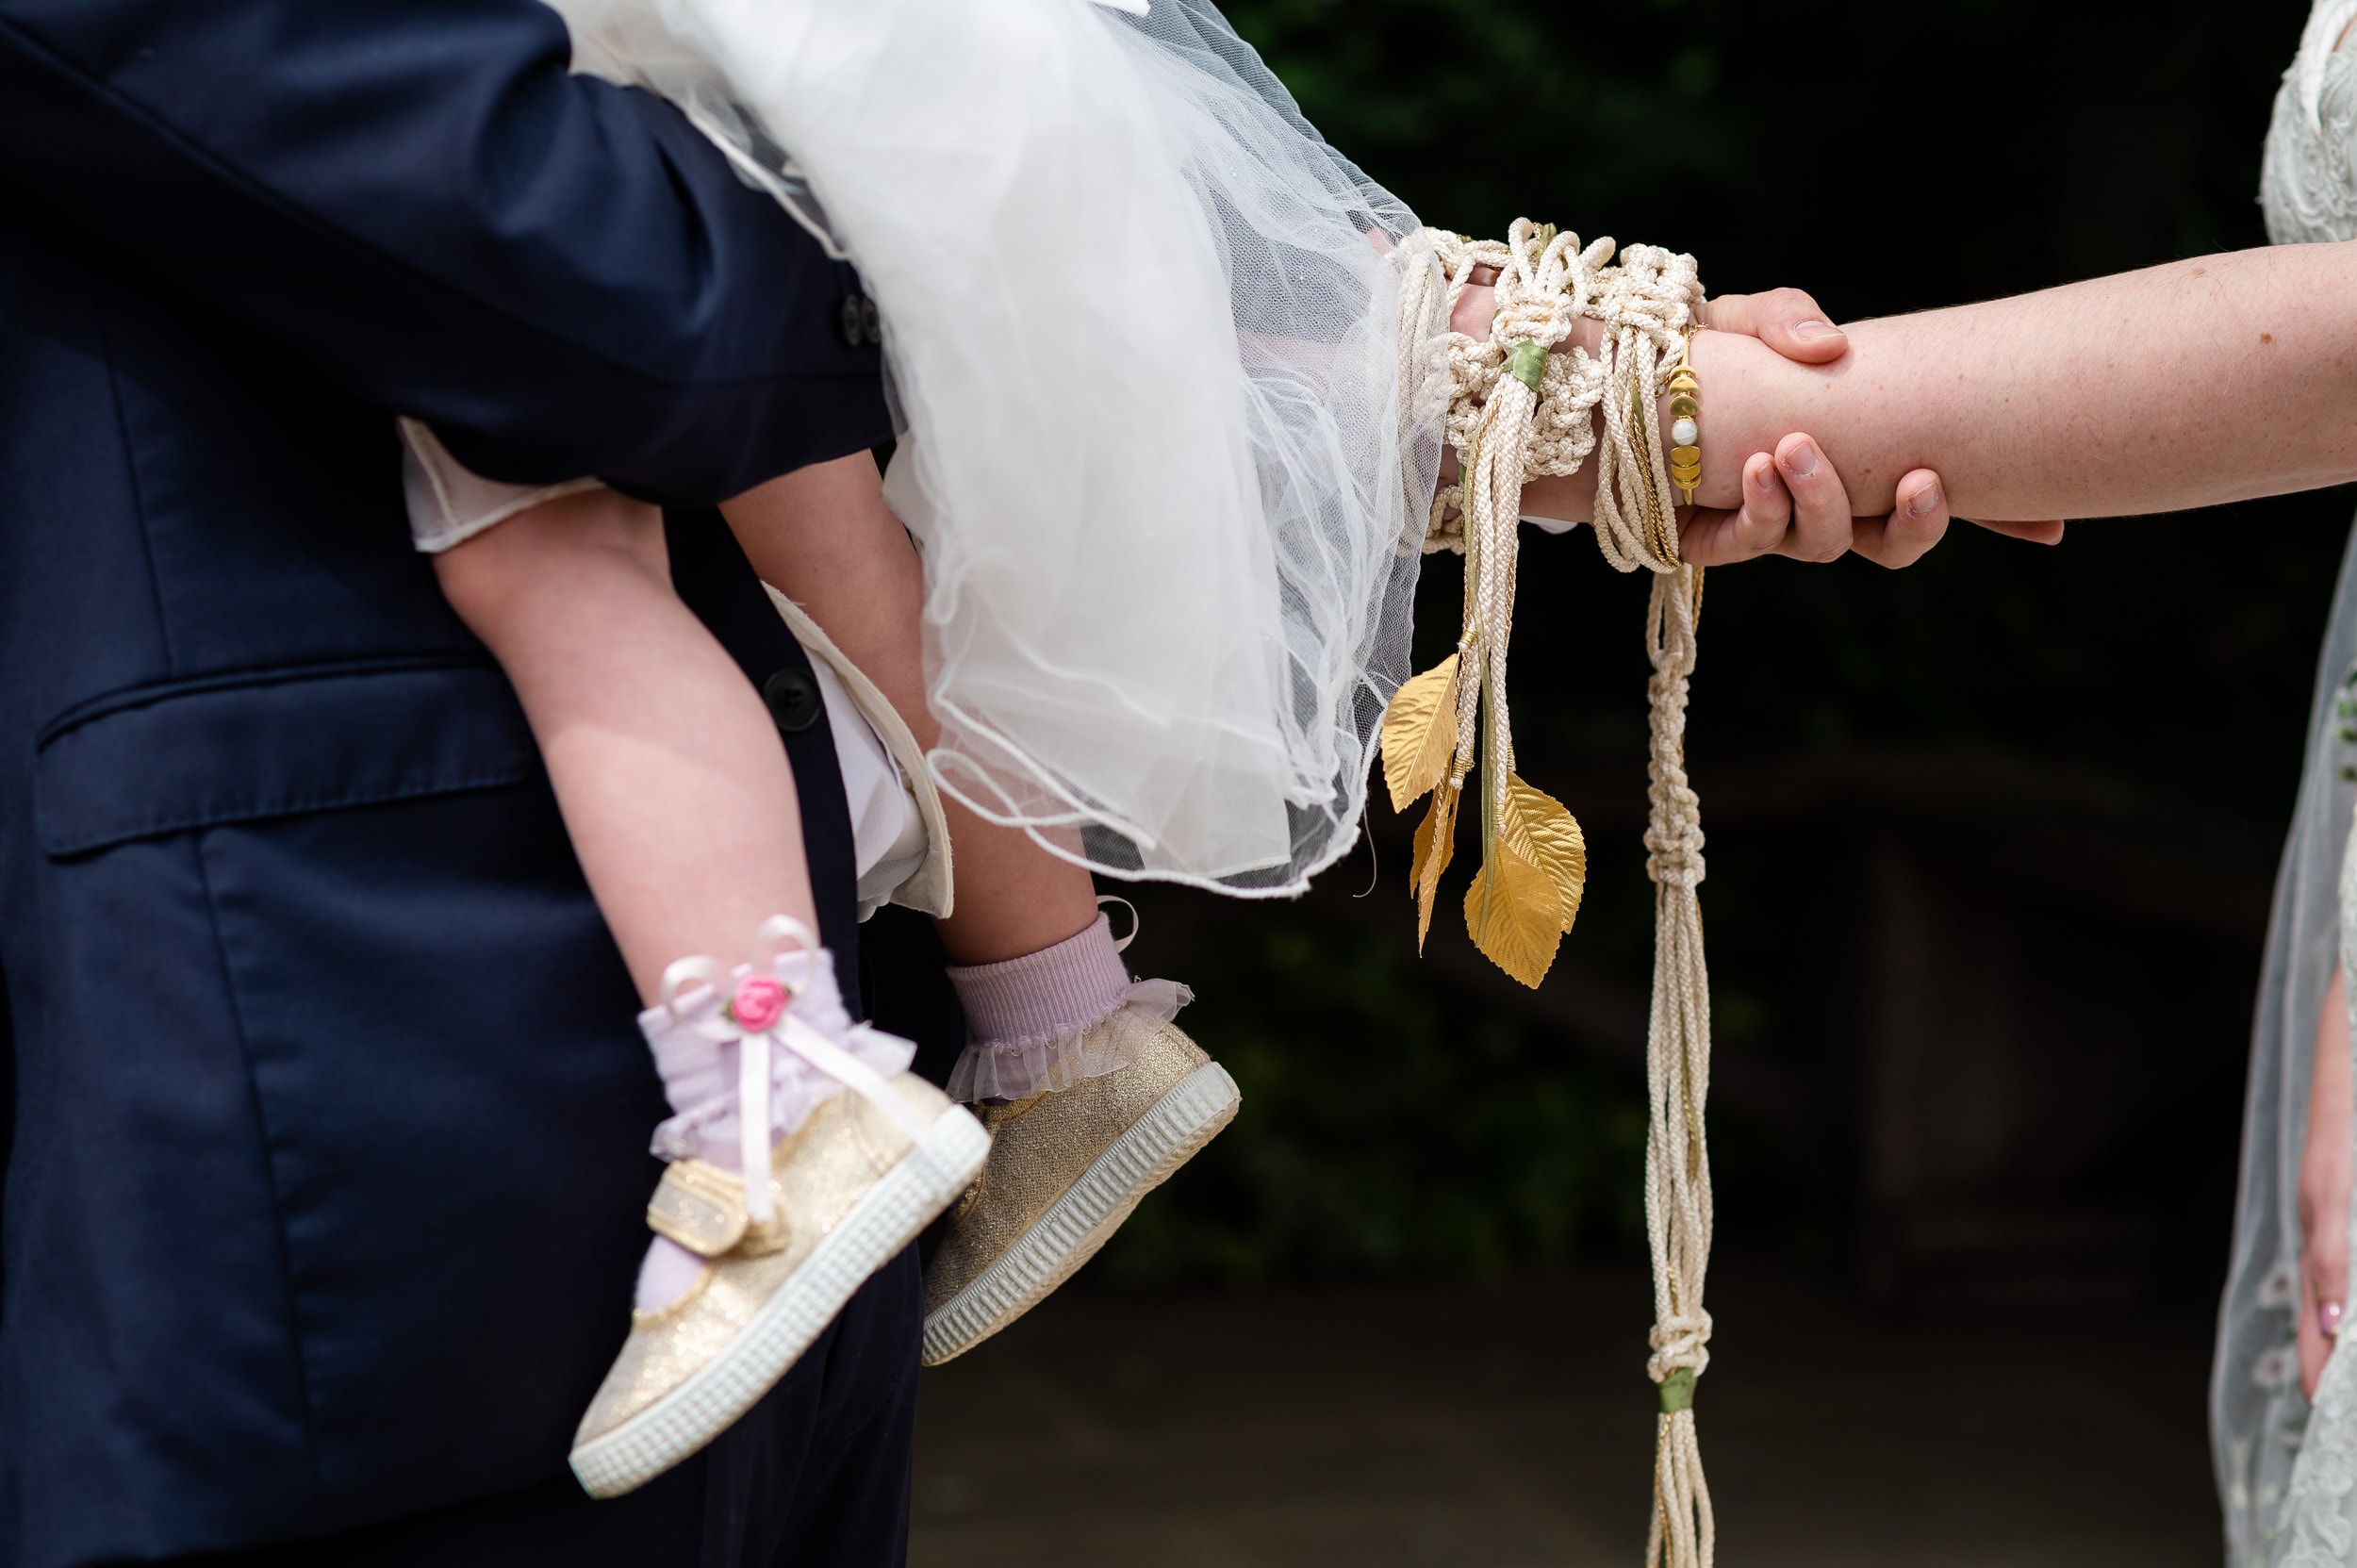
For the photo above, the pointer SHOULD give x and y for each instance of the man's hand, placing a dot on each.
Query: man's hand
(1794, 505)
(1787, 320)
(1793, 501)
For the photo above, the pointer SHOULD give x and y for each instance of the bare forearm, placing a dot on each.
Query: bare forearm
(2181, 386)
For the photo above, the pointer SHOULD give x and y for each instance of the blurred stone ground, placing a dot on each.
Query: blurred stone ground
(1378, 1426)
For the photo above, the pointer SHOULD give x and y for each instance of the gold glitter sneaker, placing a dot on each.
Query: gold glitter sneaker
(1065, 1169)
(848, 1189)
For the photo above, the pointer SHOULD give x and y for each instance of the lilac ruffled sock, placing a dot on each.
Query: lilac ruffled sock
(1028, 1018)
(1053, 991)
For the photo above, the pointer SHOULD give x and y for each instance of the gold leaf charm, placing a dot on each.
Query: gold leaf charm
(1420, 732)
(1436, 845)
(1512, 914)
(1538, 828)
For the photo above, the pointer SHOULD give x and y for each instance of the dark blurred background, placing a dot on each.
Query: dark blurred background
(1990, 840)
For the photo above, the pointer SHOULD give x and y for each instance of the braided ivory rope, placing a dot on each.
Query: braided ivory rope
(1678, 1077)
(1517, 412)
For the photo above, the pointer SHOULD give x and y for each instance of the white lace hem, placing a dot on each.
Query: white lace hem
(1039, 1064)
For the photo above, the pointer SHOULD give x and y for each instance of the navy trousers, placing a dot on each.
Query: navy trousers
(815, 1476)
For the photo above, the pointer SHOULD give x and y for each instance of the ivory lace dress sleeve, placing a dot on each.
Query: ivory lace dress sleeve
(2287, 1473)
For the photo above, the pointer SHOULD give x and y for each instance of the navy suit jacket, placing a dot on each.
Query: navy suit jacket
(327, 1146)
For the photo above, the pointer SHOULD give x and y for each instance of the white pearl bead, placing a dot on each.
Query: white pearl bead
(1683, 433)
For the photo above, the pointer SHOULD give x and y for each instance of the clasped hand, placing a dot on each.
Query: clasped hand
(1784, 496)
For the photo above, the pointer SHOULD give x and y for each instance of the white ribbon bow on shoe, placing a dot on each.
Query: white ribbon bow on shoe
(758, 1016)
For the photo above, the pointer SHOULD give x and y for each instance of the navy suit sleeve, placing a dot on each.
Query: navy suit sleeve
(417, 199)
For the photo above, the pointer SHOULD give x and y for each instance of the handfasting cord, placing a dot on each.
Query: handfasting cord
(1677, 1080)
(1517, 411)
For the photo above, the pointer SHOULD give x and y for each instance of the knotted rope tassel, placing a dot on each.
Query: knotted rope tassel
(1677, 1080)
(1517, 411)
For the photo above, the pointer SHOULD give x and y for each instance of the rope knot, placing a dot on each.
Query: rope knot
(1674, 829)
(1515, 411)
(1680, 811)
(1681, 1342)
(1675, 860)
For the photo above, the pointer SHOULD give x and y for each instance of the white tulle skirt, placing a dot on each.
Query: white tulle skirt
(1167, 447)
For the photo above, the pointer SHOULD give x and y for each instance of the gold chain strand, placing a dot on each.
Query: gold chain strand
(1685, 425)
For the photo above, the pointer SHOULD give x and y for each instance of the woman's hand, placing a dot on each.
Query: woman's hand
(2326, 1163)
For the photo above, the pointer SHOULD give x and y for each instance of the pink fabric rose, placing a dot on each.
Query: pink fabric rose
(760, 1002)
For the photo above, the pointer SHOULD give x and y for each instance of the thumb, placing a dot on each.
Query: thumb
(1787, 320)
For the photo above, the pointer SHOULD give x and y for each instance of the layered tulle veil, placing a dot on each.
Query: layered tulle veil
(2262, 1429)
(1168, 446)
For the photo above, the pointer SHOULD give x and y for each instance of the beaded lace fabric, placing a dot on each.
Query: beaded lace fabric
(2287, 1475)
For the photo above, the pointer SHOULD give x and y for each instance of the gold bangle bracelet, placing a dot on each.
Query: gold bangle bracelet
(1686, 431)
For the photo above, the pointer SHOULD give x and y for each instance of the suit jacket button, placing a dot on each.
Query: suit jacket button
(793, 698)
(853, 319)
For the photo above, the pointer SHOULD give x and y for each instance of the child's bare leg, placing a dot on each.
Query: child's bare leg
(1049, 1004)
(1036, 966)
(824, 539)
(668, 770)
(667, 767)
(682, 808)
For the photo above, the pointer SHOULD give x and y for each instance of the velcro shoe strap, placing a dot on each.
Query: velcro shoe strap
(700, 1205)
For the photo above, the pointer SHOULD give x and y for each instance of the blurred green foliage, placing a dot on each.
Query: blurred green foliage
(1390, 1132)
(1888, 157)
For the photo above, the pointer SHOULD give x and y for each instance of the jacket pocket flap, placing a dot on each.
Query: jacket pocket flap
(200, 754)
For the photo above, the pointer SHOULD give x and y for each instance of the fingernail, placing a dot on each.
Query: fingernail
(1801, 464)
(1763, 478)
(1926, 502)
(2329, 1319)
(1815, 328)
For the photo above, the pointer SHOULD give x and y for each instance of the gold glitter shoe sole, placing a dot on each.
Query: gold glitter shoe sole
(1080, 1222)
(921, 1184)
